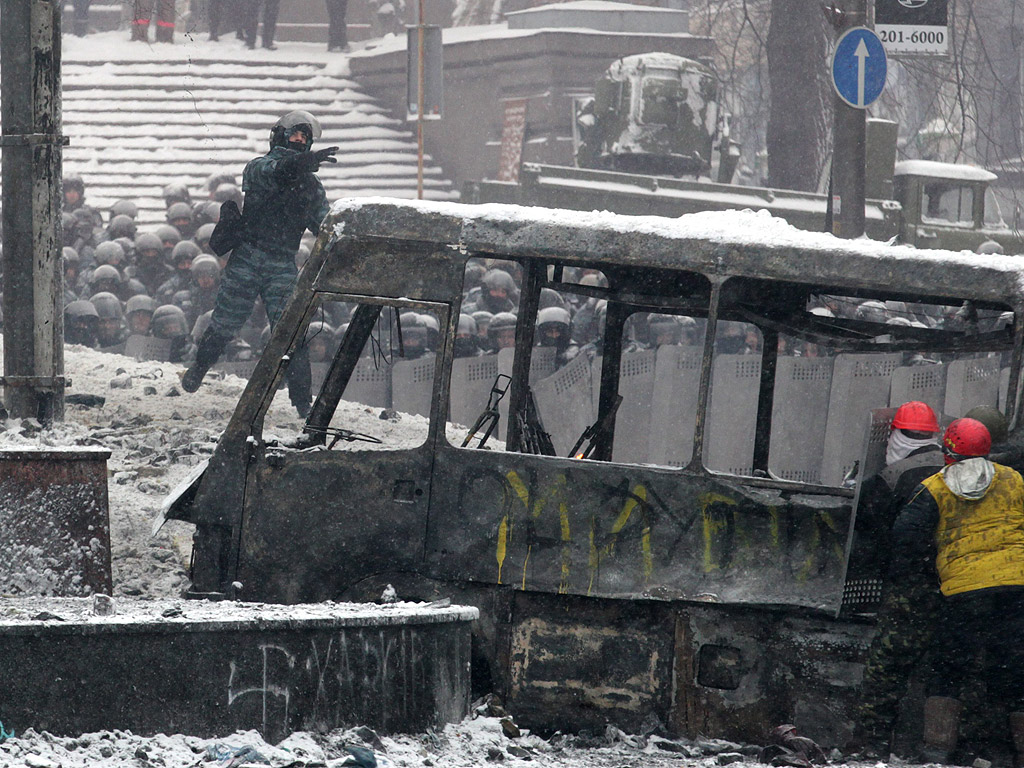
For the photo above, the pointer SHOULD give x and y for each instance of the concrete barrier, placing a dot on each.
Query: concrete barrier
(54, 522)
(210, 669)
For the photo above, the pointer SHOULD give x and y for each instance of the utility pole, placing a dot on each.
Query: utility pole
(849, 139)
(420, 87)
(32, 144)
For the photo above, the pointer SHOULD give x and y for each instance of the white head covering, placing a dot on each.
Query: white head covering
(900, 445)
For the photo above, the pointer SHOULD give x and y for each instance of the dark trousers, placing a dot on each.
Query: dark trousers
(224, 13)
(270, 11)
(988, 621)
(81, 20)
(337, 33)
(142, 12)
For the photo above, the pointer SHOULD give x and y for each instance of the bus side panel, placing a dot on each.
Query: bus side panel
(611, 530)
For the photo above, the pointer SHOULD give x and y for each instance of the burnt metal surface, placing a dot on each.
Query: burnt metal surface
(722, 588)
(598, 529)
(210, 678)
(596, 238)
(54, 522)
(318, 522)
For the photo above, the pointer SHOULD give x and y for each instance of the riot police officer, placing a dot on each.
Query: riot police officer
(283, 198)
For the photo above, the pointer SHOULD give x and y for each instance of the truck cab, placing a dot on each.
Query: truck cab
(950, 206)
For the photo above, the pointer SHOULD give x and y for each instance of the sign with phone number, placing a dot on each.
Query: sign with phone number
(913, 26)
(902, 38)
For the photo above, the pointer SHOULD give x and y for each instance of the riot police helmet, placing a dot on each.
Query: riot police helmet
(108, 306)
(105, 279)
(664, 329)
(80, 321)
(299, 120)
(179, 212)
(121, 225)
(140, 303)
(176, 192)
(169, 235)
(553, 328)
(502, 330)
(202, 237)
(549, 297)
(124, 208)
(149, 245)
(109, 252)
(226, 192)
(168, 322)
(183, 254)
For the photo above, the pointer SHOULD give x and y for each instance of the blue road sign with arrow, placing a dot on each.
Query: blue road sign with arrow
(858, 67)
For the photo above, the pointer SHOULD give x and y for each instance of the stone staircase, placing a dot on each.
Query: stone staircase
(135, 127)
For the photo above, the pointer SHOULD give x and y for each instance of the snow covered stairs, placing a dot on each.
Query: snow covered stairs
(137, 126)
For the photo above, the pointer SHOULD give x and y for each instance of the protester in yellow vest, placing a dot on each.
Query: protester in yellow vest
(965, 526)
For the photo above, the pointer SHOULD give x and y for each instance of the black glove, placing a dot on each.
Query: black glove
(306, 162)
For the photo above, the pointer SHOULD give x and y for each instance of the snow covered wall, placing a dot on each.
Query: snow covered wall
(54, 522)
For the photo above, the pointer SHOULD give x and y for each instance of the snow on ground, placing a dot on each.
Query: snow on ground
(479, 740)
(156, 433)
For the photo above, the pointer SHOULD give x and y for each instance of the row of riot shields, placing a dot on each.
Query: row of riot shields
(819, 416)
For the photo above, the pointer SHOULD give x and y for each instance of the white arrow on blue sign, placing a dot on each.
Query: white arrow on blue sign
(859, 67)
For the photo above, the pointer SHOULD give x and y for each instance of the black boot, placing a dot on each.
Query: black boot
(300, 382)
(211, 347)
(941, 728)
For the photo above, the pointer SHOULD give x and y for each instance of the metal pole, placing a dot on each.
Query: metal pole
(421, 84)
(849, 137)
(31, 142)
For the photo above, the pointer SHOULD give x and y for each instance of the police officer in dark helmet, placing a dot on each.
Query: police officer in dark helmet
(149, 265)
(553, 331)
(467, 344)
(74, 192)
(121, 225)
(80, 322)
(69, 257)
(414, 336)
(106, 279)
(170, 237)
(283, 198)
(497, 293)
(124, 208)
(176, 192)
(179, 216)
(181, 279)
(139, 314)
(169, 322)
(111, 330)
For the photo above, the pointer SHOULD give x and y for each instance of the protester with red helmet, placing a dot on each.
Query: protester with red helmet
(965, 527)
(905, 620)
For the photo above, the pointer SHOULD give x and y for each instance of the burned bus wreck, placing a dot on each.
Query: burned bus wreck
(658, 522)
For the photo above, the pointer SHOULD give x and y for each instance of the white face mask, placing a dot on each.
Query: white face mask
(900, 446)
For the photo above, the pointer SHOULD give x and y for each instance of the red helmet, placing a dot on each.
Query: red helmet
(964, 439)
(915, 416)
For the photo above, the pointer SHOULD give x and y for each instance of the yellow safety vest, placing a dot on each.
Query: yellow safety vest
(980, 543)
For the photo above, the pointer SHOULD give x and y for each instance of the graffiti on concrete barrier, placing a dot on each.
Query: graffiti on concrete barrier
(335, 681)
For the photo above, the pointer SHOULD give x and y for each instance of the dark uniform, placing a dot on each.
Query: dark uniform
(966, 525)
(908, 610)
(283, 198)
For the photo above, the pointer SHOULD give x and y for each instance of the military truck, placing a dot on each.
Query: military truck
(654, 529)
(655, 118)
